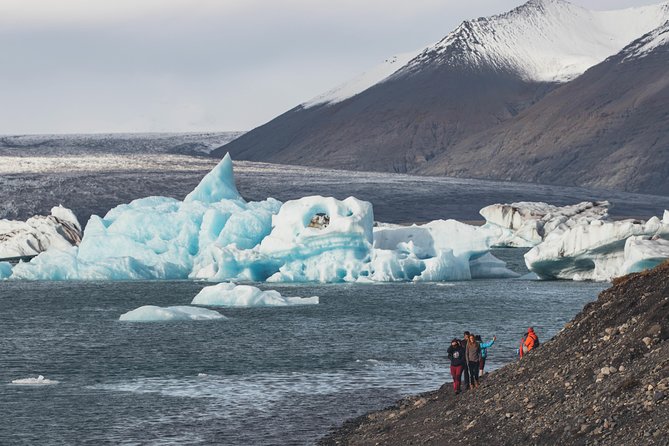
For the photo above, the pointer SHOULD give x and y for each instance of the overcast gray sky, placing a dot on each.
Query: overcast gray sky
(86, 66)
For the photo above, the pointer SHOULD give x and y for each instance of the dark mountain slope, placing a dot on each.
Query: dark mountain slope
(608, 128)
(396, 125)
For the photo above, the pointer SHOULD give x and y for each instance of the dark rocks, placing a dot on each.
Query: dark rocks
(612, 389)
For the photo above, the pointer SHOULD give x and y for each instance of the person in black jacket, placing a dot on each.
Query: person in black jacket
(456, 353)
(463, 343)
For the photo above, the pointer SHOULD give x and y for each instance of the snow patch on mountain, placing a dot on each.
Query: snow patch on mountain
(649, 42)
(363, 82)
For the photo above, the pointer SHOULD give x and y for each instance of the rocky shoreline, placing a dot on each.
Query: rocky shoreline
(603, 380)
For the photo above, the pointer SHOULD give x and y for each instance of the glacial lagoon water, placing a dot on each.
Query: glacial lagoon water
(278, 376)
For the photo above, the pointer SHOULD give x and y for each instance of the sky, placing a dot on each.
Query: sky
(98, 66)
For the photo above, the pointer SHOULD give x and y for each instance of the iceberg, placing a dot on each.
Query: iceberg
(5, 270)
(39, 381)
(152, 313)
(59, 230)
(215, 235)
(231, 295)
(643, 252)
(526, 224)
(440, 250)
(600, 250)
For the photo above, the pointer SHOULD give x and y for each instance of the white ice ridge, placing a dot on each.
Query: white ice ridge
(215, 235)
(231, 295)
(40, 380)
(526, 224)
(152, 313)
(60, 230)
(600, 250)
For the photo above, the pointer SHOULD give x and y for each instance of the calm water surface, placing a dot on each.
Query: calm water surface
(262, 376)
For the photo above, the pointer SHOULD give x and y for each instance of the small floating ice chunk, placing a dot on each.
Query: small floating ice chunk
(152, 313)
(40, 380)
(231, 295)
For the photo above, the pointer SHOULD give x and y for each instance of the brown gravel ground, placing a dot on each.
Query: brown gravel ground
(602, 380)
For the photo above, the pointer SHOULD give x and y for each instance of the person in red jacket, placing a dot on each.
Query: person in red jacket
(456, 353)
(529, 341)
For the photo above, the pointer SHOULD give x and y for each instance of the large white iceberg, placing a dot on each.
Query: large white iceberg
(214, 234)
(526, 224)
(59, 230)
(152, 313)
(600, 250)
(437, 251)
(231, 295)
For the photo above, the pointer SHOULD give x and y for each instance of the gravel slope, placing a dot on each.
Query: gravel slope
(604, 379)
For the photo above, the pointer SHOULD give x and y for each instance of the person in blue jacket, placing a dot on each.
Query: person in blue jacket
(484, 351)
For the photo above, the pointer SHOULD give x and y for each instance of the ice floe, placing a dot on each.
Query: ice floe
(40, 380)
(152, 313)
(231, 295)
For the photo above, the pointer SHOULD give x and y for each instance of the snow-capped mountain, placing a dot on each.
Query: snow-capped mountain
(421, 107)
(542, 40)
(607, 128)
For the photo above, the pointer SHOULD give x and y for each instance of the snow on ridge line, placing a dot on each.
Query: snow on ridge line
(648, 42)
(546, 41)
(541, 40)
(362, 82)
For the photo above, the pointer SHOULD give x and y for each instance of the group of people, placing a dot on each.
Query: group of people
(468, 356)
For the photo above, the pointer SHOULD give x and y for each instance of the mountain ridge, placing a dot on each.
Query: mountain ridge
(475, 79)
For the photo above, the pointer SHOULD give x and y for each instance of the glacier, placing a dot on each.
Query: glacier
(231, 295)
(215, 235)
(152, 313)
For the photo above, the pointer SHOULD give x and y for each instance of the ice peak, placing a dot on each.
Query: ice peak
(217, 185)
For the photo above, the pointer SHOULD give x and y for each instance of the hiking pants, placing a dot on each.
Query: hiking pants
(481, 364)
(473, 372)
(456, 373)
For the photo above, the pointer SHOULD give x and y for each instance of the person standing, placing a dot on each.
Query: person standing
(528, 342)
(456, 353)
(463, 343)
(473, 355)
(484, 351)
